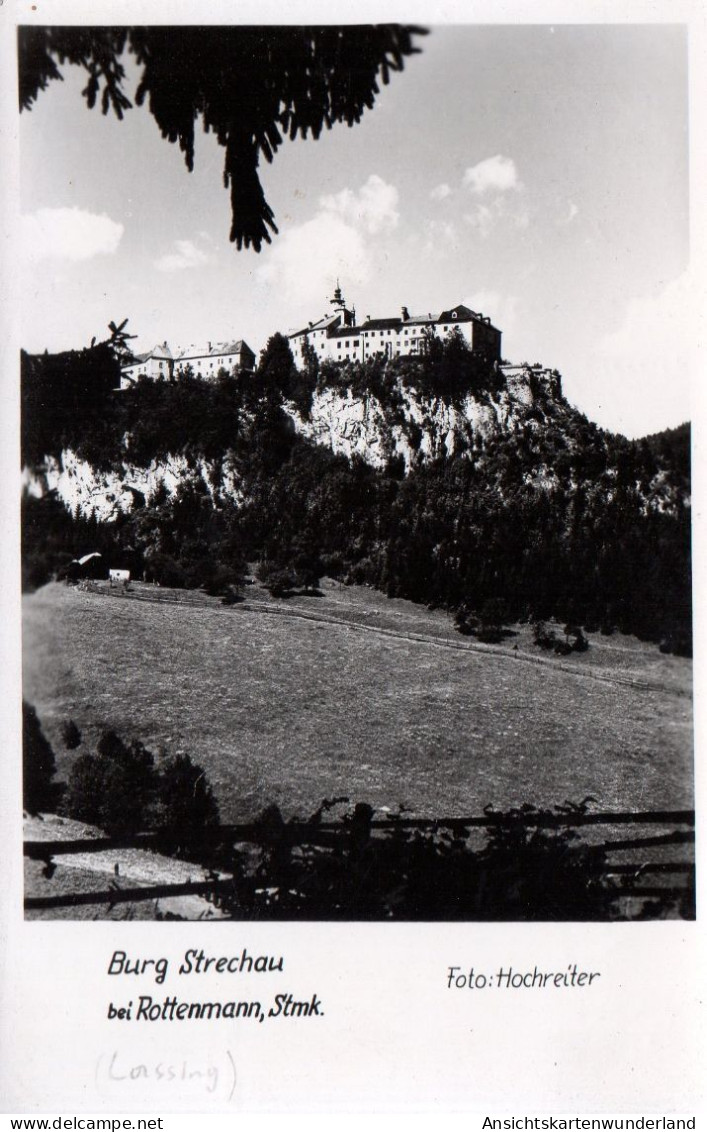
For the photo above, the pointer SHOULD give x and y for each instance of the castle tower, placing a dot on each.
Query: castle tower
(348, 317)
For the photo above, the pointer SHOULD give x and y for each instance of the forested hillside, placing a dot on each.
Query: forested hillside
(434, 478)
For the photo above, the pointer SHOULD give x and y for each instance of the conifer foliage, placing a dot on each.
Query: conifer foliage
(250, 86)
(40, 791)
(123, 790)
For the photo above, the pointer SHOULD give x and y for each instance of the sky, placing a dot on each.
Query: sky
(538, 174)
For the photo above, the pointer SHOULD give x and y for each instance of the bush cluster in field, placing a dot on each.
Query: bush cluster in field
(121, 788)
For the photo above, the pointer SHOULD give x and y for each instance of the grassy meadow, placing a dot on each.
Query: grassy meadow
(353, 694)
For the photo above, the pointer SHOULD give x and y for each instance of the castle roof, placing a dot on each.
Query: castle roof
(460, 313)
(212, 350)
(184, 353)
(329, 320)
(332, 323)
(161, 351)
(380, 324)
(420, 319)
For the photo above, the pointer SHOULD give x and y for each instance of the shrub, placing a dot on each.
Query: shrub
(523, 872)
(544, 874)
(87, 784)
(113, 789)
(39, 791)
(464, 627)
(562, 648)
(37, 569)
(465, 621)
(494, 612)
(490, 634)
(167, 571)
(279, 581)
(220, 578)
(121, 789)
(580, 643)
(679, 644)
(295, 569)
(543, 635)
(231, 596)
(185, 807)
(71, 735)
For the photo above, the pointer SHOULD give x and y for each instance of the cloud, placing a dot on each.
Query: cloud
(482, 218)
(69, 233)
(497, 174)
(642, 369)
(503, 310)
(441, 192)
(486, 217)
(570, 215)
(186, 256)
(306, 259)
(441, 235)
(496, 191)
(374, 207)
(495, 180)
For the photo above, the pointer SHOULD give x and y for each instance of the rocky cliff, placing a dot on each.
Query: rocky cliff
(412, 429)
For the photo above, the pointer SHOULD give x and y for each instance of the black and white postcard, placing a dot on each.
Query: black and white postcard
(351, 372)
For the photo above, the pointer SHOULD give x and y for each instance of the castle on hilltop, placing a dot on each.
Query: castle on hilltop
(336, 337)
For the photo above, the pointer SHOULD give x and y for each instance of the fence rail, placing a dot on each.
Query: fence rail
(115, 895)
(679, 875)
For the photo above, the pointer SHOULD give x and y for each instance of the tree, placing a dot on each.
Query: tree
(250, 86)
(493, 614)
(114, 789)
(307, 565)
(276, 369)
(304, 381)
(121, 790)
(71, 735)
(185, 808)
(39, 790)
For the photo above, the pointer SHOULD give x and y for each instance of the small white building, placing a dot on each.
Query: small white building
(156, 364)
(337, 337)
(205, 361)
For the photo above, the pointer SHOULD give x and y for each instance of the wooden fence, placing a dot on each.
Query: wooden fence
(649, 855)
